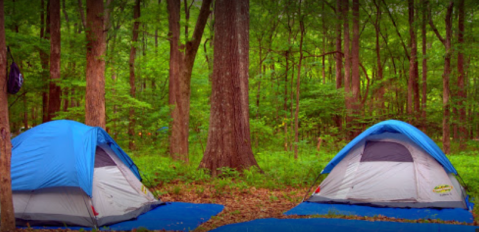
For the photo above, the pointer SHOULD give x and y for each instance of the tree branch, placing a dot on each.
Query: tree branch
(82, 14)
(324, 54)
(194, 43)
(433, 27)
(330, 6)
(367, 86)
(397, 31)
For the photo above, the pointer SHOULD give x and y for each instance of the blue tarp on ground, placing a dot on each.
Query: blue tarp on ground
(60, 153)
(395, 126)
(177, 216)
(324, 224)
(312, 208)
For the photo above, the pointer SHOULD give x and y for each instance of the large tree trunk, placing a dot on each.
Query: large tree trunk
(347, 64)
(229, 142)
(424, 67)
(6, 214)
(54, 98)
(413, 87)
(355, 81)
(182, 58)
(460, 80)
(131, 63)
(95, 67)
(178, 145)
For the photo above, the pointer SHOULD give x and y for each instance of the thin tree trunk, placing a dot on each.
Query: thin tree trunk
(323, 69)
(25, 112)
(298, 84)
(460, 80)
(347, 64)
(379, 76)
(285, 106)
(44, 34)
(355, 80)
(395, 27)
(424, 67)
(291, 100)
(229, 142)
(447, 70)
(258, 91)
(7, 219)
(95, 67)
(66, 92)
(339, 60)
(413, 87)
(131, 64)
(82, 13)
(54, 98)
(446, 143)
(182, 58)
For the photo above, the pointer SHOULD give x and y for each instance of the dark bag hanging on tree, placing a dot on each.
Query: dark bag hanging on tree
(15, 77)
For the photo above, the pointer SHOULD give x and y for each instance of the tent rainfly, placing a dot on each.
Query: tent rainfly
(64, 172)
(392, 164)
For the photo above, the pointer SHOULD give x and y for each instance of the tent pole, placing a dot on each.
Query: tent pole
(311, 186)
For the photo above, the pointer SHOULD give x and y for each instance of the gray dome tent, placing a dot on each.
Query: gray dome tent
(392, 164)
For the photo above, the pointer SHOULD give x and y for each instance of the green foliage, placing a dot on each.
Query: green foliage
(278, 170)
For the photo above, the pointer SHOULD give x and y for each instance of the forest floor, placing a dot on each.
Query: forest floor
(246, 204)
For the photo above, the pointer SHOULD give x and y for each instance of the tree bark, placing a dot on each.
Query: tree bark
(446, 143)
(339, 60)
(182, 58)
(131, 64)
(44, 34)
(298, 84)
(460, 80)
(347, 64)
(323, 61)
(229, 142)
(82, 14)
(424, 67)
(413, 87)
(54, 98)
(7, 216)
(447, 70)
(355, 81)
(285, 105)
(95, 67)
(177, 147)
(379, 77)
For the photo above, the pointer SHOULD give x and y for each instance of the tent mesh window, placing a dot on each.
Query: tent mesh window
(385, 151)
(102, 159)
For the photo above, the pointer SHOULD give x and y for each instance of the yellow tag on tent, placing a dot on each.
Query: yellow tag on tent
(442, 188)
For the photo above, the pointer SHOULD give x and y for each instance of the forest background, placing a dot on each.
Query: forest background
(317, 69)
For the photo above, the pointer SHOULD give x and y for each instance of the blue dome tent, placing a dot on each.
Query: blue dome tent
(67, 172)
